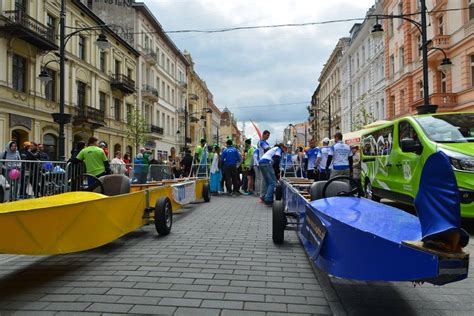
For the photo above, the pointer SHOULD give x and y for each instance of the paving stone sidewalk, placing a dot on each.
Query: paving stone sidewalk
(218, 260)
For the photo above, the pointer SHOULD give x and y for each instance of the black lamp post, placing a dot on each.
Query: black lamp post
(62, 118)
(186, 115)
(422, 28)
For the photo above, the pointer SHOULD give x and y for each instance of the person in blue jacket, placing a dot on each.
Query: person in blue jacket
(230, 160)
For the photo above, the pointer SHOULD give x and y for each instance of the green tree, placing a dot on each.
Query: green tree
(362, 118)
(137, 128)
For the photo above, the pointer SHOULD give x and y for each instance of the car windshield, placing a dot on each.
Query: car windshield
(448, 128)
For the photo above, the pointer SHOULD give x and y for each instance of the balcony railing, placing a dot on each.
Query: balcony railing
(156, 130)
(90, 115)
(18, 23)
(123, 83)
(150, 56)
(442, 100)
(441, 41)
(150, 93)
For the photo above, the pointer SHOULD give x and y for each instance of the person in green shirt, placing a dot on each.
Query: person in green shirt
(248, 166)
(95, 160)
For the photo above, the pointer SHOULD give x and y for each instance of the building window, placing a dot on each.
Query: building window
(50, 87)
(102, 101)
(390, 27)
(82, 48)
(129, 109)
(420, 89)
(400, 11)
(50, 144)
(471, 9)
(20, 5)
(392, 104)
(117, 67)
(103, 61)
(401, 57)
(162, 60)
(167, 65)
(472, 70)
(129, 73)
(418, 46)
(117, 111)
(441, 25)
(402, 100)
(19, 73)
(89, 4)
(392, 65)
(81, 94)
(51, 22)
(163, 89)
(443, 82)
(157, 118)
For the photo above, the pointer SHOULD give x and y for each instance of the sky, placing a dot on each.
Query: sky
(254, 72)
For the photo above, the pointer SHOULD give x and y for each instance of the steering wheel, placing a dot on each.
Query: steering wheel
(96, 183)
(357, 191)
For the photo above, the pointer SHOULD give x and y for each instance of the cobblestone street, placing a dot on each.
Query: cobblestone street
(218, 259)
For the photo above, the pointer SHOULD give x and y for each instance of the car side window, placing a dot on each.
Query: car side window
(407, 132)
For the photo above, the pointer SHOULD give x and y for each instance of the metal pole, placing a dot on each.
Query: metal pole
(62, 57)
(426, 96)
(329, 117)
(185, 126)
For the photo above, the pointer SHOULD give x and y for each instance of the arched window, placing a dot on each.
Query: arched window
(19, 136)
(50, 143)
(129, 150)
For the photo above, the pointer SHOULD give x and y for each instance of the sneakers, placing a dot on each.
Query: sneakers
(268, 203)
(248, 193)
(261, 200)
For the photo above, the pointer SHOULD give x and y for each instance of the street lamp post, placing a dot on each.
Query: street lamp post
(186, 115)
(422, 28)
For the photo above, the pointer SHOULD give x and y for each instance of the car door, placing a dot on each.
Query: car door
(405, 164)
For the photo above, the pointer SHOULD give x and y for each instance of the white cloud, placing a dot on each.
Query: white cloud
(264, 66)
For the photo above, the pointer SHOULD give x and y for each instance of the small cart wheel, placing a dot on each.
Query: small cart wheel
(163, 216)
(206, 192)
(278, 192)
(279, 222)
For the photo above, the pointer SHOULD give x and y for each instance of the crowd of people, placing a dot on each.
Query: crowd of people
(231, 170)
(256, 170)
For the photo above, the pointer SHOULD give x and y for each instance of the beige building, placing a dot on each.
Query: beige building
(161, 70)
(213, 121)
(199, 112)
(99, 85)
(330, 92)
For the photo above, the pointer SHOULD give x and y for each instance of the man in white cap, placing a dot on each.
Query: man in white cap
(322, 159)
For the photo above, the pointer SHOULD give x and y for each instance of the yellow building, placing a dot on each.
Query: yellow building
(198, 108)
(99, 85)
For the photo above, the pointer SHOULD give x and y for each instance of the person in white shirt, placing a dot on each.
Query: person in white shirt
(322, 159)
(267, 166)
(341, 158)
(263, 147)
(118, 165)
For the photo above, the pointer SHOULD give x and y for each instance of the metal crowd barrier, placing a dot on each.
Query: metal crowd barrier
(21, 179)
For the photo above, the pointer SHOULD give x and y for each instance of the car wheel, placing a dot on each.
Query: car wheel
(278, 192)
(369, 193)
(278, 222)
(206, 193)
(163, 216)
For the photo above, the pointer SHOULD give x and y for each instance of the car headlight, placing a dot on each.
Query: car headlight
(460, 161)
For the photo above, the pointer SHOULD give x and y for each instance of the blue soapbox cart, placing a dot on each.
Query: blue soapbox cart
(351, 237)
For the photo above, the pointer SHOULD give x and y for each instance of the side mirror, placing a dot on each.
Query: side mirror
(409, 145)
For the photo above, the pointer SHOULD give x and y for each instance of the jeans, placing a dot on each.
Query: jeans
(268, 174)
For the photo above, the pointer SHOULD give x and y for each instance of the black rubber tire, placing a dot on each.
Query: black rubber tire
(163, 216)
(369, 193)
(2, 195)
(278, 192)
(316, 190)
(278, 222)
(206, 192)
